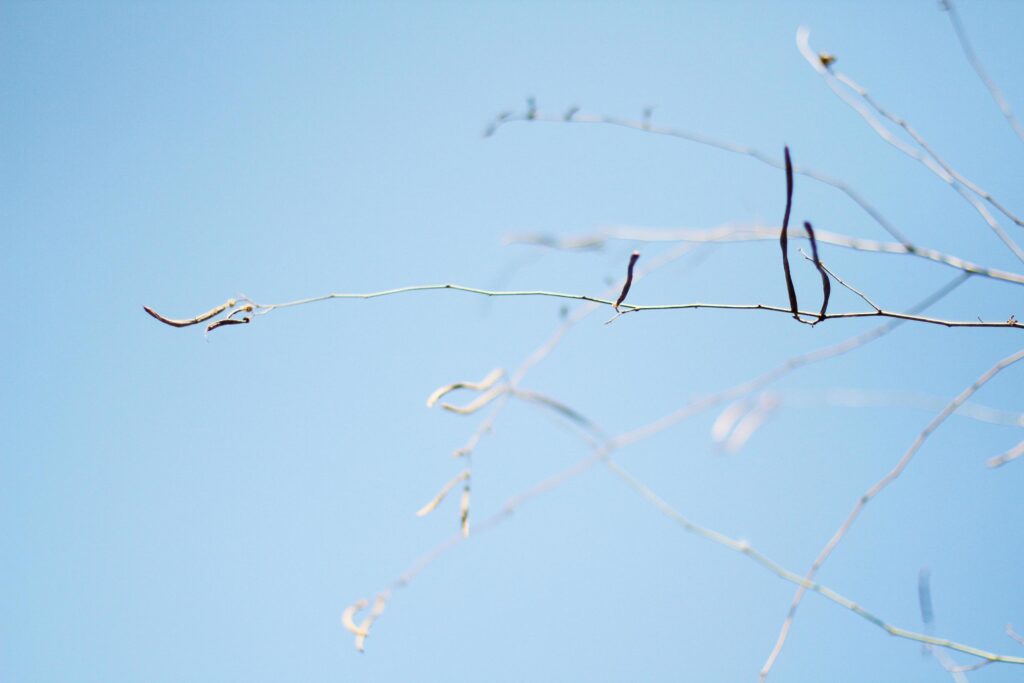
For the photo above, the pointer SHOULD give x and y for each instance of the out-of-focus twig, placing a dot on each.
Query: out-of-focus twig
(755, 233)
(928, 157)
(972, 58)
(744, 547)
(629, 280)
(875, 490)
(691, 408)
(1003, 458)
(734, 148)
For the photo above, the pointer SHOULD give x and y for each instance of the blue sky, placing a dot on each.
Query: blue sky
(180, 508)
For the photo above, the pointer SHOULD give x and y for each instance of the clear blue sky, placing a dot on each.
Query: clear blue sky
(178, 509)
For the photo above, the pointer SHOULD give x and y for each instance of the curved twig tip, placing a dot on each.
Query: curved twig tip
(202, 317)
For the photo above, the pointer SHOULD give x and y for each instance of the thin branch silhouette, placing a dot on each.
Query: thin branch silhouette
(826, 273)
(263, 309)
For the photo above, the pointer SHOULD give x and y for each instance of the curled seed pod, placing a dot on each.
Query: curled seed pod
(629, 279)
(348, 617)
(227, 321)
(217, 310)
(784, 238)
(826, 284)
(477, 403)
(483, 385)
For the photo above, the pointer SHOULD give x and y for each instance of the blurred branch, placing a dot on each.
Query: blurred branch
(744, 547)
(573, 116)
(875, 490)
(691, 408)
(929, 158)
(859, 398)
(753, 233)
(972, 58)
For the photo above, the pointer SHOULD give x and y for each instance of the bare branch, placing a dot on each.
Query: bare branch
(700, 139)
(753, 233)
(929, 158)
(445, 490)
(876, 489)
(965, 44)
(822, 268)
(804, 583)
(263, 309)
(623, 440)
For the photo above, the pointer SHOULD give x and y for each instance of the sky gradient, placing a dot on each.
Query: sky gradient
(175, 507)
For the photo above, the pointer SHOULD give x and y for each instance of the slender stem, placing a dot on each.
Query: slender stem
(804, 583)
(700, 139)
(928, 158)
(997, 94)
(874, 491)
(741, 233)
(263, 309)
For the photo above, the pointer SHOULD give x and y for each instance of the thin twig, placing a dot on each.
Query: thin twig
(822, 267)
(263, 309)
(972, 58)
(782, 370)
(717, 144)
(929, 158)
(754, 233)
(858, 398)
(805, 584)
(692, 407)
(876, 489)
